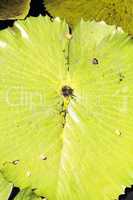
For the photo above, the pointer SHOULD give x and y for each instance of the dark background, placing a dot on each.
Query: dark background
(37, 8)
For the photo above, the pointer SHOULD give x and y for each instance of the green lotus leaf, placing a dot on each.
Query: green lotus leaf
(5, 188)
(115, 12)
(66, 108)
(14, 9)
(27, 194)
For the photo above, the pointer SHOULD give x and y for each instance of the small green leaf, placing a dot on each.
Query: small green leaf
(14, 9)
(27, 194)
(5, 188)
(115, 12)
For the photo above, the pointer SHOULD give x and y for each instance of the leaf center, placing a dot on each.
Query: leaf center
(67, 91)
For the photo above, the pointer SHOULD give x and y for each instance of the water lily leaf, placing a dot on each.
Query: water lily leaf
(27, 194)
(32, 141)
(7, 192)
(5, 188)
(14, 9)
(115, 12)
(66, 107)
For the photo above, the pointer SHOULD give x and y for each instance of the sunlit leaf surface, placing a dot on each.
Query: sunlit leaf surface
(66, 107)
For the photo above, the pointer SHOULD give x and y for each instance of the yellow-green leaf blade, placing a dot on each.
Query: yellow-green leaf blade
(27, 194)
(90, 157)
(5, 188)
(32, 72)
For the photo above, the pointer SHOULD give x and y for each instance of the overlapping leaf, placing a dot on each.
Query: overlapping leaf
(113, 12)
(5, 188)
(27, 194)
(14, 9)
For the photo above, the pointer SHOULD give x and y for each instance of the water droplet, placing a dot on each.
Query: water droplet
(68, 35)
(118, 132)
(43, 157)
(15, 162)
(28, 173)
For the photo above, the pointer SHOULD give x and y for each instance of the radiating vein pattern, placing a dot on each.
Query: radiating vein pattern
(89, 154)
